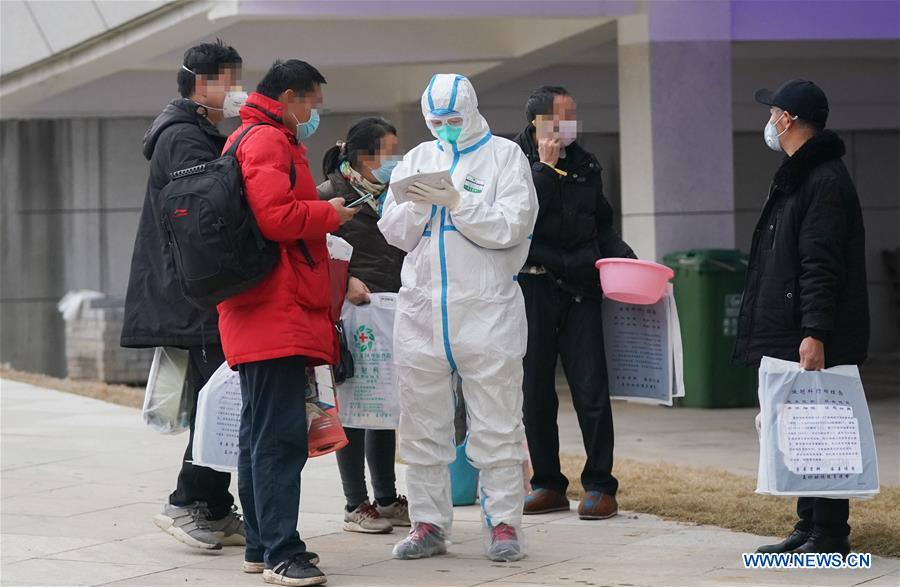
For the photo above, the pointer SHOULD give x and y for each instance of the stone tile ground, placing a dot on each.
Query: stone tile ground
(82, 479)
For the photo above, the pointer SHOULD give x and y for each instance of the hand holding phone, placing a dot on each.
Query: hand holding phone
(345, 213)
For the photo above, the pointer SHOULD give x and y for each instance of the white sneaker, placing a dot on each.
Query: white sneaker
(397, 513)
(365, 518)
(253, 568)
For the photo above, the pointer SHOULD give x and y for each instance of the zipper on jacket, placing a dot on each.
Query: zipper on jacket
(203, 341)
(306, 254)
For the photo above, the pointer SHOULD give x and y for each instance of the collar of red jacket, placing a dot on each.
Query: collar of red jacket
(259, 108)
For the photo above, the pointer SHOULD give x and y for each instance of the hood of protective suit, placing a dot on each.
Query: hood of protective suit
(450, 92)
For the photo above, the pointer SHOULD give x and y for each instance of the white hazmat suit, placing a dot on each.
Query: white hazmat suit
(461, 310)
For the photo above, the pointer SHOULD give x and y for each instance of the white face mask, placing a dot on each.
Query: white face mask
(568, 132)
(231, 105)
(772, 136)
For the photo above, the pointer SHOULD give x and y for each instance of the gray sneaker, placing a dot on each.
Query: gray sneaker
(365, 519)
(189, 524)
(397, 513)
(230, 529)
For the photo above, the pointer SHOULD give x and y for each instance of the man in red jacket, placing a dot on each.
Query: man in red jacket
(277, 329)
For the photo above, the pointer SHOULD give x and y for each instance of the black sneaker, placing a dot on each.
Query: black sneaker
(796, 539)
(296, 570)
(258, 567)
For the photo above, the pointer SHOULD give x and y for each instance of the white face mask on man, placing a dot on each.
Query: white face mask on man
(771, 134)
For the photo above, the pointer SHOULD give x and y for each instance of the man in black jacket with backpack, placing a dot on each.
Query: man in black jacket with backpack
(806, 297)
(563, 301)
(200, 512)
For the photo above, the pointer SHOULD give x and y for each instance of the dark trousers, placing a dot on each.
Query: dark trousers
(824, 516)
(272, 455)
(377, 447)
(562, 325)
(200, 483)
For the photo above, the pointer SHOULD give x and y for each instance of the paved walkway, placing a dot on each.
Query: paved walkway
(82, 479)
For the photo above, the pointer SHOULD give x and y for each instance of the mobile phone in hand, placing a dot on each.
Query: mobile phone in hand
(359, 202)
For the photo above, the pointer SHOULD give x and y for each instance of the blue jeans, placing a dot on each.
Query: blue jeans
(273, 453)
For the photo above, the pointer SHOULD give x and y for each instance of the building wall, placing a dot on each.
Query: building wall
(71, 197)
(72, 189)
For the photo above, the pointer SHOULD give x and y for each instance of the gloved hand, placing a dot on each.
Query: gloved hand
(445, 196)
(758, 423)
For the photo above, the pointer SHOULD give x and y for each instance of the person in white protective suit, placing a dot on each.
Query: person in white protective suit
(461, 311)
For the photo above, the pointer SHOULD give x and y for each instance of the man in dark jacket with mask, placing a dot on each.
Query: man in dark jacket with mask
(562, 301)
(200, 511)
(806, 297)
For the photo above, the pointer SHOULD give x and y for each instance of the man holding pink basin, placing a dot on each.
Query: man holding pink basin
(563, 302)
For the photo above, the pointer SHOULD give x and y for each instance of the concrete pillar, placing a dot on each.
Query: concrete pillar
(675, 127)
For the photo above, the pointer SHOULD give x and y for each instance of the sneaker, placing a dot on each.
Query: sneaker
(366, 519)
(596, 505)
(505, 545)
(189, 524)
(544, 501)
(296, 570)
(230, 529)
(396, 513)
(255, 568)
(424, 540)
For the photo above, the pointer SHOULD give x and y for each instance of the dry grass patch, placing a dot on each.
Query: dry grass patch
(719, 498)
(123, 395)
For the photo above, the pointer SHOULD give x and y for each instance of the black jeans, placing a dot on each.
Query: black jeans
(825, 516)
(562, 325)
(377, 447)
(272, 455)
(200, 483)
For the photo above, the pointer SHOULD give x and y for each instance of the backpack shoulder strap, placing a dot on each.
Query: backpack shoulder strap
(232, 150)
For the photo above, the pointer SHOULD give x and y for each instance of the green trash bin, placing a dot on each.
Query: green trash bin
(708, 288)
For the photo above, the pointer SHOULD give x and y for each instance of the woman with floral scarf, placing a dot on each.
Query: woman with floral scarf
(360, 166)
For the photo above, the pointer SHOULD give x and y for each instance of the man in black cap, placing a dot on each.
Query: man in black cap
(806, 298)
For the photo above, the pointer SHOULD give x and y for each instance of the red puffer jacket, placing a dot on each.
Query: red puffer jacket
(288, 313)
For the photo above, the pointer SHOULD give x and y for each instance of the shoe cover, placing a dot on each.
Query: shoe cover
(424, 540)
(504, 544)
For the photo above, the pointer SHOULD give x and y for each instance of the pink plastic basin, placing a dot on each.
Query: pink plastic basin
(633, 281)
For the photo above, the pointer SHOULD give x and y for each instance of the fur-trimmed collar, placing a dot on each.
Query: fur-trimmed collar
(820, 149)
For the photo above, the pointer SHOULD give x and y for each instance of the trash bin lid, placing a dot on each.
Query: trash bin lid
(707, 260)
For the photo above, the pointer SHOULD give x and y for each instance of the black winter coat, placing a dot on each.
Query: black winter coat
(374, 261)
(156, 312)
(575, 221)
(807, 270)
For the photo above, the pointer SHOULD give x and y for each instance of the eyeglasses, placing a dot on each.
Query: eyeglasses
(437, 123)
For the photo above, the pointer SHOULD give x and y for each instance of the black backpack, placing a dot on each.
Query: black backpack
(212, 237)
